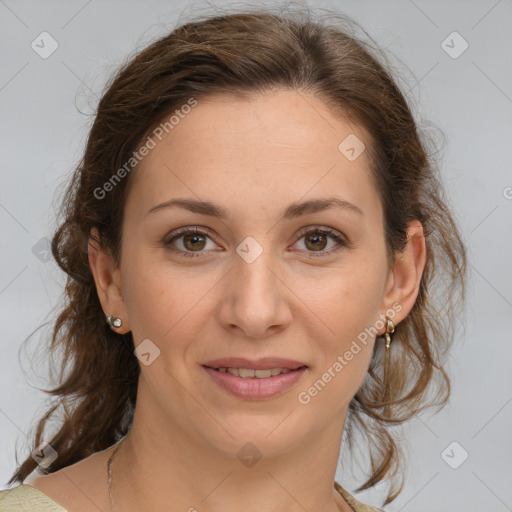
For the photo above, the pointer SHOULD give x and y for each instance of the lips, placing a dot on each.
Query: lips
(265, 363)
(256, 388)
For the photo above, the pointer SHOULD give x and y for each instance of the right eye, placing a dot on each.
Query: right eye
(191, 239)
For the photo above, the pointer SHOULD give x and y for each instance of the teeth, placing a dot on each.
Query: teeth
(248, 373)
(262, 374)
(243, 372)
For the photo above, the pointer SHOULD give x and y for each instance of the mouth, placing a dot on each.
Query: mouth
(256, 380)
(252, 367)
(251, 373)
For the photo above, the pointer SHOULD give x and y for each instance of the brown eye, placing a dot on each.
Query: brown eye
(315, 241)
(194, 241)
(189, 242)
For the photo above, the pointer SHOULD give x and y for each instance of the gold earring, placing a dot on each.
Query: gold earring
(390, 329)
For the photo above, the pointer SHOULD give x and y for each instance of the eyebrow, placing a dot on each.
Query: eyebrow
(292, 211)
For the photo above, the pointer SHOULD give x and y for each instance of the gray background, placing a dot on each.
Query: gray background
(45, 105)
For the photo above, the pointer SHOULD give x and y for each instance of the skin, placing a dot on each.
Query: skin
(253, 158)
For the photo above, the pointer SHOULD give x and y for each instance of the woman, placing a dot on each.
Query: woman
(251, 242)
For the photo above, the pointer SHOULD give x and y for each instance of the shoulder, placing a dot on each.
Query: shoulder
(25, 497)
(72, 488)
(355, 504)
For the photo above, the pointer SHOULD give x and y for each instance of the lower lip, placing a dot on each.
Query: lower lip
(254, 388)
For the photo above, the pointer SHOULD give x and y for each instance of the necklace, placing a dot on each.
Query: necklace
(109, 472)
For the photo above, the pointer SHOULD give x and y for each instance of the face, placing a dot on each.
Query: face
(267, 280)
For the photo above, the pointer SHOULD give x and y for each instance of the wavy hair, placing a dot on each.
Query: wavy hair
(244, 54)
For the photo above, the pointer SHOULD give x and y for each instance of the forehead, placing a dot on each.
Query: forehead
(281, 145)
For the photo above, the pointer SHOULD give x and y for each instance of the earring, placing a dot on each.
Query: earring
(390, 329)
(114, 322)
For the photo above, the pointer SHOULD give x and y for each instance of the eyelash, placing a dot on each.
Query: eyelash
(338, 237)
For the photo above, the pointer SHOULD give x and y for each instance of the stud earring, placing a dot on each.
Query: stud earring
(114, 322)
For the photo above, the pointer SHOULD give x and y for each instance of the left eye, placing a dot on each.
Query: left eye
(193, 241)
(317, 238)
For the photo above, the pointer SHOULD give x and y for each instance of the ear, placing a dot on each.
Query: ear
(107, 277)
(404, 281)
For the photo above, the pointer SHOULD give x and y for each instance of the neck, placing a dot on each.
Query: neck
(159, 467)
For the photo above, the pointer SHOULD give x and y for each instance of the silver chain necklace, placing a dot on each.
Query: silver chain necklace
(109, 473)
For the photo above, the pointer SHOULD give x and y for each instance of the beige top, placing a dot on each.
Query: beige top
(30, 499)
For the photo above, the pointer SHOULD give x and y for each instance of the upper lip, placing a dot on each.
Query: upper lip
(265, 363)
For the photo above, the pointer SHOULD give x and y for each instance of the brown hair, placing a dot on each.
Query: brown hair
(246, 53)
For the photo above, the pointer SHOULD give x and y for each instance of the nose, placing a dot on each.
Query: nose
(256, 298)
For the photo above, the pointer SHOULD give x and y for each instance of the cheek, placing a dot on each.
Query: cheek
(349, 308)
(163, 300)
(349, 300)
